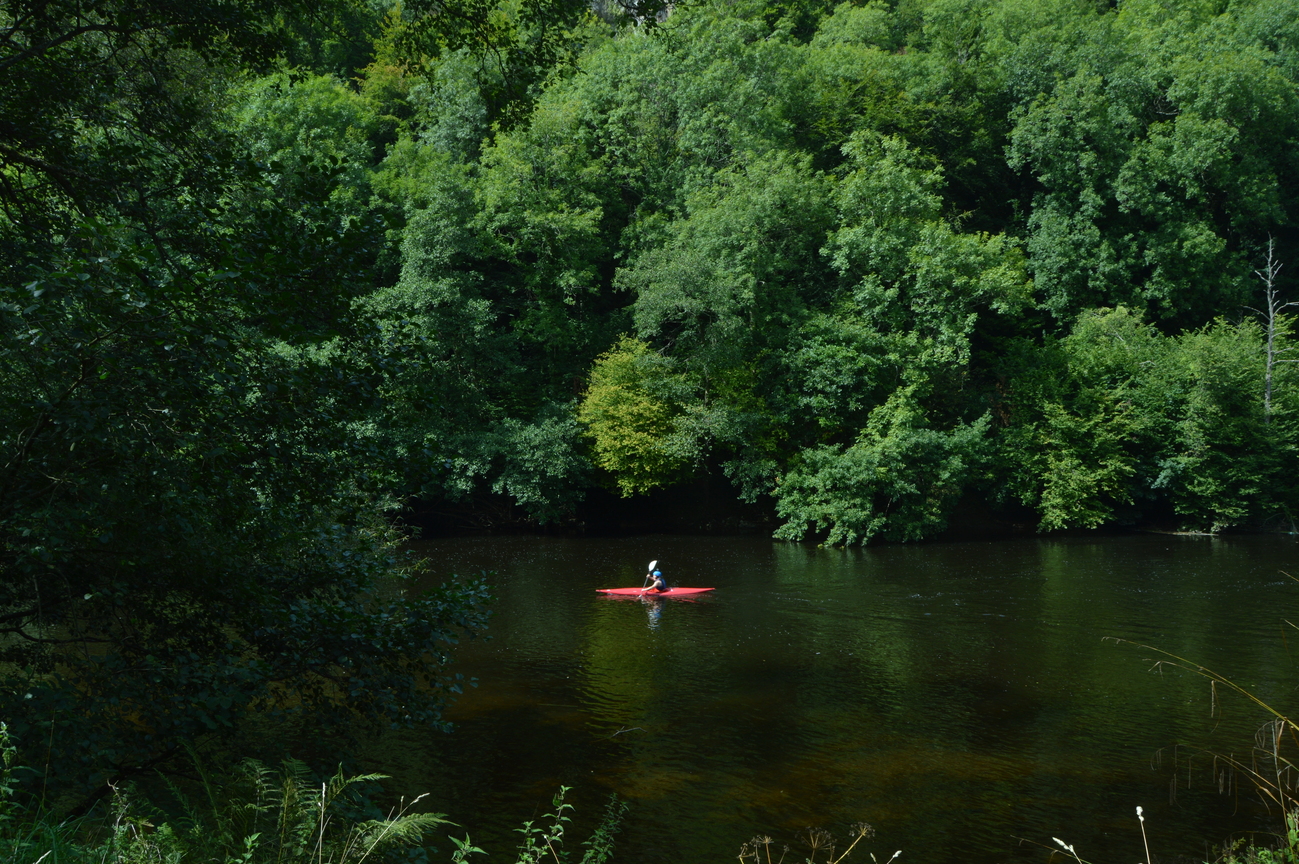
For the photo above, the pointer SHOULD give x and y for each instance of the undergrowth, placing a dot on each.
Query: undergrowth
(260, 815)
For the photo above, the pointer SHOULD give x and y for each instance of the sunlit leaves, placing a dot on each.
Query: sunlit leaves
(1155, 149)
(738, 269)
(898, 480)
(1117, 414)
(629, 419)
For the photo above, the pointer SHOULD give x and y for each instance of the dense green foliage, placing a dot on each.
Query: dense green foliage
(271, 267)
(866, 261)
(192, 531)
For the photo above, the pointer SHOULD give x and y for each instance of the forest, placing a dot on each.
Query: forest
(275, 269)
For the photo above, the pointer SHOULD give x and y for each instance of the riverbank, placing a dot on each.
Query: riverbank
(709, 506)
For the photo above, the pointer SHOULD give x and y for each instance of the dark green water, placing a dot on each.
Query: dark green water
(958, 697)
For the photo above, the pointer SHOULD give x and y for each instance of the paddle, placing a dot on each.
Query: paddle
(644, 587)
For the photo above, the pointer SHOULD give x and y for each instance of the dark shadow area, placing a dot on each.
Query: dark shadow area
(707, 505)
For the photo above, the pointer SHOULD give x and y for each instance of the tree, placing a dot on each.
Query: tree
(629, 420)
(1117, 421)
(1153, 141)
(898, 480)
(192, 531)
(1274, 324)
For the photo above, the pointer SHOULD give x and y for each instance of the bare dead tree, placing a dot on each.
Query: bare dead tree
(1271, 313)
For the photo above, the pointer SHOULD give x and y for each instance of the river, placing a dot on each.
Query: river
(968, 700)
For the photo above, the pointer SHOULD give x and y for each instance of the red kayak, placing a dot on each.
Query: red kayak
(637, 592)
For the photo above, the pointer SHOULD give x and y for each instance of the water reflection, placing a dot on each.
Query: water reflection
(653, 611)
(956, 696)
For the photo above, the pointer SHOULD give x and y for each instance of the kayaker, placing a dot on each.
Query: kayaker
(655, 576)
